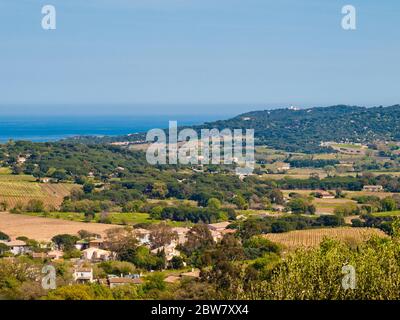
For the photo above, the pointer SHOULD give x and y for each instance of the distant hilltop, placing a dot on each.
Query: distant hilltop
(304, 130)
(295, 129)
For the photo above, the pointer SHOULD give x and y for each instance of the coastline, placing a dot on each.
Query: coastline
(56, 127)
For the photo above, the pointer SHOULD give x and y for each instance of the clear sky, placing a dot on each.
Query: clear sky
(161, 56)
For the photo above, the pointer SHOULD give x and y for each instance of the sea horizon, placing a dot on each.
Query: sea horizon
(49, 128)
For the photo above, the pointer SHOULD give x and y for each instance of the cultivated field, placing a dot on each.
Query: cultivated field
(395, 213)
(43, 229)
(120, 218)
(323, 206)
(349, 194)
(367, 193)
(313, 237)
(20, 189)
(329, 205)
(392, 173)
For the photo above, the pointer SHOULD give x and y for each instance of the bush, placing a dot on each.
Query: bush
(18, 208)
(127, 292)
(155, 282)
(72, 253)
(330, 221)
(65, 241)
(357, 223)
(317, 274)
(347, 209)
(240, 202)
(85, 206)
(117, 267)
(4, 236)
(206, 215)
(176, 263)
(3, 248)
(214, 203)
(3, 205)
(35, 205)
(81, 292)
(88, 187)
(257, 246)
(301, 206)
(132, 206)
(105, 218)
(280, 226)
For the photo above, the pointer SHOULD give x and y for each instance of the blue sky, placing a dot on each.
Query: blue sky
(196, 56)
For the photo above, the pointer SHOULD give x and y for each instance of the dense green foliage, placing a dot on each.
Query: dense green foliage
(66, 161)
(318, 163)
(205, 215)
(4, 236)
(251, 227)
(65, 242)
(318, 274)
(116, 178)
(242, 264)
(390, 183)
(303, 130)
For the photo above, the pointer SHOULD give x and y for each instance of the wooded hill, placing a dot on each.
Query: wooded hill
(303, 130)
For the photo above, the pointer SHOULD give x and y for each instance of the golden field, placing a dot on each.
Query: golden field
(43, 229)
(313, 237)
(21, 189)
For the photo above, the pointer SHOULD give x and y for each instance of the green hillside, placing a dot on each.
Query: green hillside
(303, 130)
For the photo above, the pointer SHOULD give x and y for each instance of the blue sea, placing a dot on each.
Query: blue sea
(51, 128)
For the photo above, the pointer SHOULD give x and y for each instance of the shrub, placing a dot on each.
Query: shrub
(347, 209)
(257, 246)
(4, 236)
(35, 205)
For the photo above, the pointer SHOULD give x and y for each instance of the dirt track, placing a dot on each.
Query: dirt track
(43, 229)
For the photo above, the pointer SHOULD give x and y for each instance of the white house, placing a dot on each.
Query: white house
(17, 246)
(377, 188)
(96, 254)
(217, 229)
(282, 166)
(97, 243)
(326, 195)
(170, 251)
(83, 275)
(55, 254)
